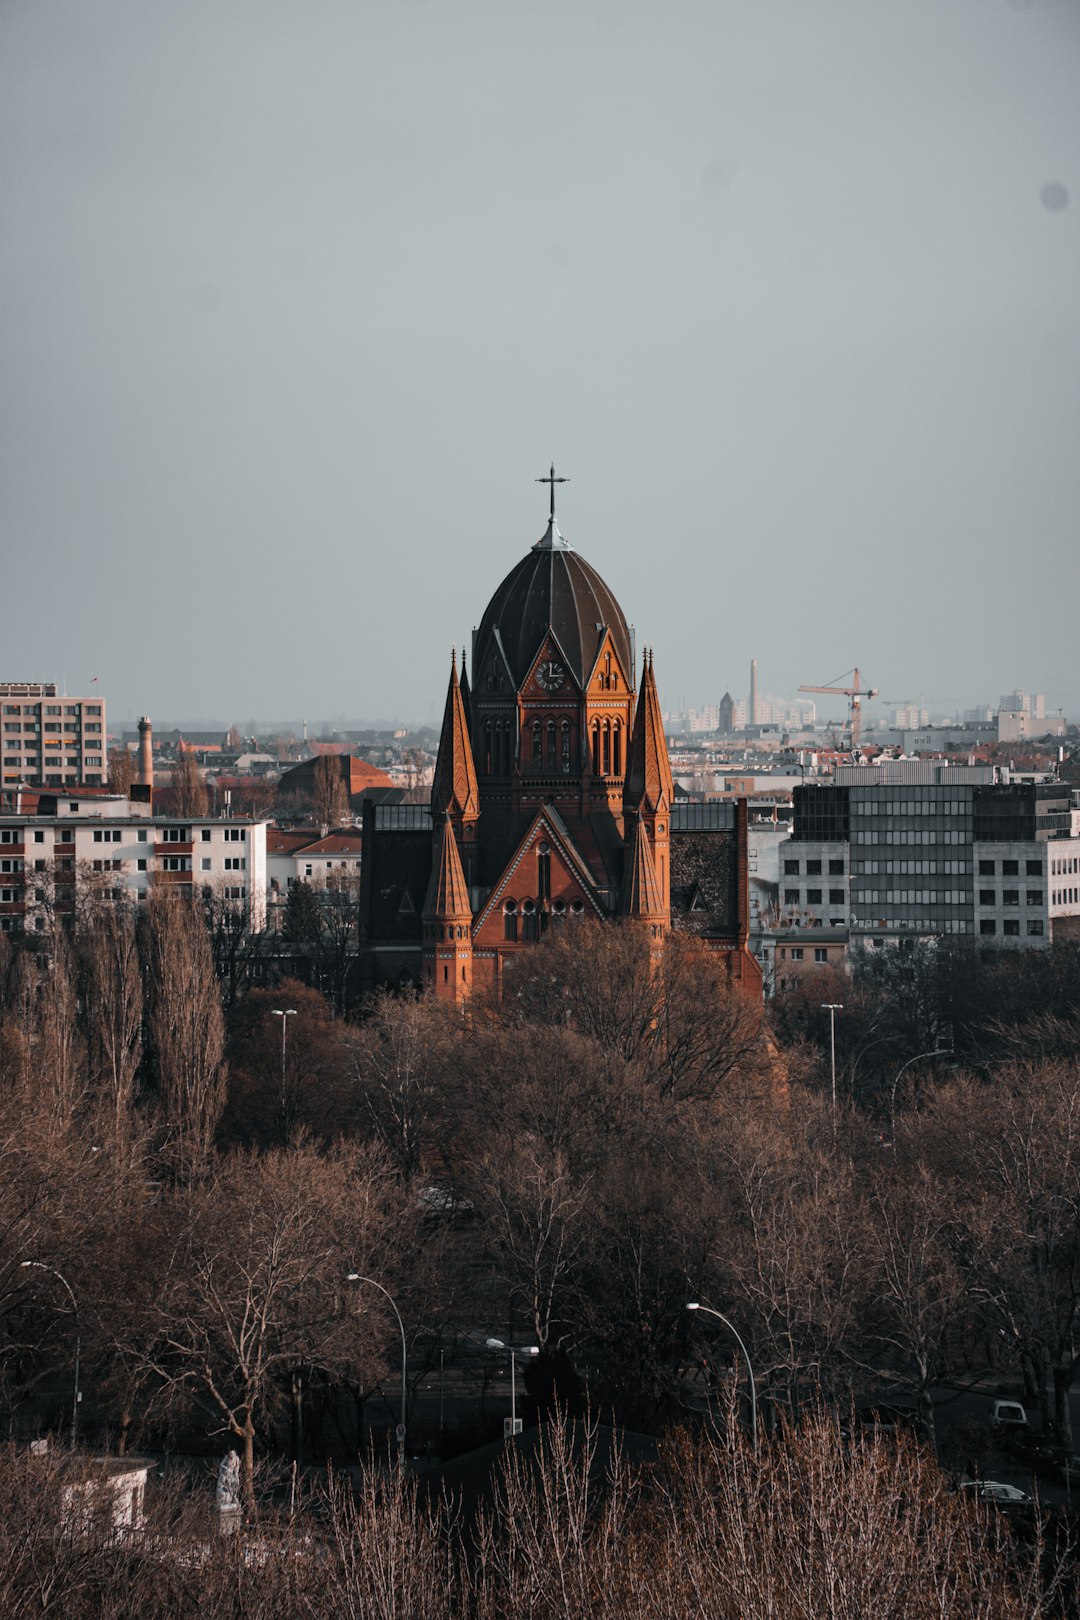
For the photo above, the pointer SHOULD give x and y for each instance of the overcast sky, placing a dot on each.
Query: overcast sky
(298, 297)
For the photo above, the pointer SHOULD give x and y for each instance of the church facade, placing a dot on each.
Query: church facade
(552, 800)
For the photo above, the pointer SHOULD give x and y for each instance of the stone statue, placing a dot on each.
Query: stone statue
(228, 1484)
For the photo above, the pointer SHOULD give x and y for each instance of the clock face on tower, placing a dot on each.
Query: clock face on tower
(550, 675)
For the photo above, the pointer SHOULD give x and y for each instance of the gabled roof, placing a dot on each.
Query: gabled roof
(548, 819)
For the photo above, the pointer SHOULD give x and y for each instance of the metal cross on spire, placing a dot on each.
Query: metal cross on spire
(552, 480)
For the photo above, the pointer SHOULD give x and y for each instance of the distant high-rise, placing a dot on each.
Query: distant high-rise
(753, 712)
(726, 718)
(51, 740)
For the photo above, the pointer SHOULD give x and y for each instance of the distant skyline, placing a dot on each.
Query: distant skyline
(297, 301)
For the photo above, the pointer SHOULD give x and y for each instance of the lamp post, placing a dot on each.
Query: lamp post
(41, 1266)
(695, 1305)
(354, 1276)
(515, 1351)
(939, 1051)
(832, 1008)
(284, 1013)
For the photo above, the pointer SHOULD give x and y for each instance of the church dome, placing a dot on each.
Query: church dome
(552, 588)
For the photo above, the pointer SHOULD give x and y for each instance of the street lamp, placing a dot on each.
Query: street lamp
(515, 1351)
(284, 1013)
(832, 1008)
(939, 1051)
(354, 1276)
(695, 1305)
(76, 1397)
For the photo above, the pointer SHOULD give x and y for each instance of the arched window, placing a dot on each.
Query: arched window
(537, 747)
(543, 871)
(551, 746)
(607, 748)
(616, 750)
(566, 747)
(487, 748)
(528, 919)
(510, 922)
(596, 747)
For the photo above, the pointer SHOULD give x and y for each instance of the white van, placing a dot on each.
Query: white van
(1008, 1415)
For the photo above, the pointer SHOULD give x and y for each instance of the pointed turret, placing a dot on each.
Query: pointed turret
(649, 783)
(640, 895)
(466, 695)
(447, 920)
(454, 791)
(649, 791)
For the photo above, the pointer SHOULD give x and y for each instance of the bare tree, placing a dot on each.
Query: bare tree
(188, 784)
(113, 1009)
(121, 770)
(187, 1030)
(252, 1280)
(331, 797)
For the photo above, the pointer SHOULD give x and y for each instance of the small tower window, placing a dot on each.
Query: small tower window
(510, 922)
(551, 745)
(616, 750)
(528, 919)
(566, 747)
(543, 872)
(596, 748)
(537, 747)
(607, 748)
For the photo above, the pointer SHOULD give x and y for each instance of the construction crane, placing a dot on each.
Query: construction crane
(854, 694)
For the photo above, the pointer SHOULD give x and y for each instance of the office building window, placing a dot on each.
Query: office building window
(1011, 926)
(836, 897)
(1034, 897)
(796, 953)
(1010, 897)
(1035, 926)
(820, 954)
(791, 868)
(1033, 868)
(1010, 868)
(986, 868)
(836, 868)
(986, 897)
(813, 896)
(987, 925)
(791, 897)
(813, 868)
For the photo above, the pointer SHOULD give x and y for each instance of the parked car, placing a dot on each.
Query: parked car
(1008, 1415)
(995, 1490)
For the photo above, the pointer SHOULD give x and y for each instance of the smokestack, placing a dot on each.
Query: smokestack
(753, 692)
(144, 775)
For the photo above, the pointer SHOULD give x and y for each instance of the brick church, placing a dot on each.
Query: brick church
(552, 800)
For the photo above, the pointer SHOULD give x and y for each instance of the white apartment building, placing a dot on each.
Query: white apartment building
(45, 861)
(50, 739)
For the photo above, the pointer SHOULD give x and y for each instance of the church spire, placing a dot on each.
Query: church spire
(649, 783)
(454, 790)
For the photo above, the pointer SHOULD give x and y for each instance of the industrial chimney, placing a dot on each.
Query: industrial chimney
(144, 775)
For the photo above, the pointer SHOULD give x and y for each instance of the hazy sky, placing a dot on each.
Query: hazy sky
(297, 297)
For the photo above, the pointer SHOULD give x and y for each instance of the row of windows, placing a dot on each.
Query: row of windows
(914, 897)
(1011, 927)
(1010, 897)
(918, 925)
(1065, 897)
(911, 806)
(837, 897)
(1066, 864)
(914, 867)
(1010, 868)
(907, 835)
(51, 708)
(813, 868)
(796, 953)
